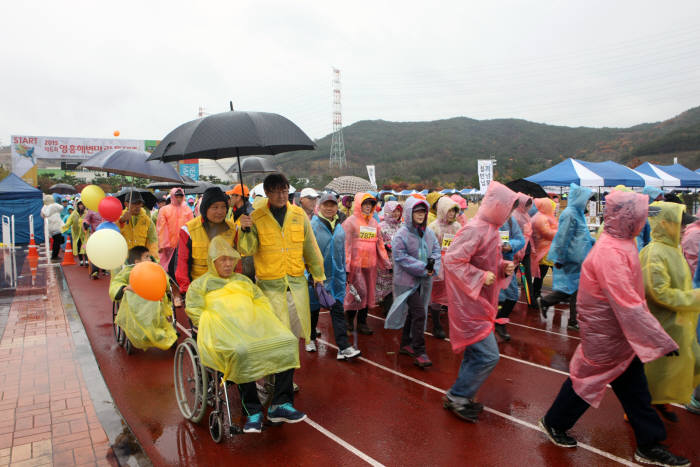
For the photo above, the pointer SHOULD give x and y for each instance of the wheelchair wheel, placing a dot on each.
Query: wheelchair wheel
(191, 381)
(118, 333)
(127, 344)
(216, 426)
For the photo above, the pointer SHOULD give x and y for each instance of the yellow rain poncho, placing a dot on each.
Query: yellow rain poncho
(672, 300)
(239, 334)
(74, 224)
(144, 322)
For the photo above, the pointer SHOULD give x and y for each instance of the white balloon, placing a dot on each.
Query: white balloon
(106, 249)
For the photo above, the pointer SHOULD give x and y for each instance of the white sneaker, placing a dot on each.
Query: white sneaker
(311, 346)
(348, 353)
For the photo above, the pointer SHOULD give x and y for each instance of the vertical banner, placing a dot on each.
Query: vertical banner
(372, 176)
(485, 169)
(190, 168)
(24, 159)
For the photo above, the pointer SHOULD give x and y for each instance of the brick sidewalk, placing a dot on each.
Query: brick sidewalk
(46, 414)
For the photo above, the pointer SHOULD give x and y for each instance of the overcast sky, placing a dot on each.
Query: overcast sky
(143, 67)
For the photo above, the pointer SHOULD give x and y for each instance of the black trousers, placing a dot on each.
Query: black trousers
(340, 329)
(506, 308)
(528, 276)
(283, 393)
(633, 393)
(56, 248)
(537, 282)
(361, 316)
(414, 327)
(557, 297)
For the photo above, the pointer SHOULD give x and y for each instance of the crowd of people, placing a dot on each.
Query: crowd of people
(631, 287)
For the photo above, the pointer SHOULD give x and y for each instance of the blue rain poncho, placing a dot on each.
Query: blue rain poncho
(644, 236)
(516, 239)
(332, 246)
(572, 242)
(411, 252)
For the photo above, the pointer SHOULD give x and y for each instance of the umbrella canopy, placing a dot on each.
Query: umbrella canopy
(199, 188)
(168, 185)
(230, 134)
(529, 188)
(131, 163)
(349, 185)
(149, 199)
(253, 165)
(63, 189)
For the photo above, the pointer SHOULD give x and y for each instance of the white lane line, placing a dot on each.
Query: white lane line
(532, 426)
(544, 330)
(345, 444)
(324, 431)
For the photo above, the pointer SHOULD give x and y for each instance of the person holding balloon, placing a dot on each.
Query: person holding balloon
(91, 197)
(144, 306)
(136, 226)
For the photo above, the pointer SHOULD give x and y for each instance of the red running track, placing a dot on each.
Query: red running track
(382, 407)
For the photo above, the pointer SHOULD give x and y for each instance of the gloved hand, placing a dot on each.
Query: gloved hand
(673, 353)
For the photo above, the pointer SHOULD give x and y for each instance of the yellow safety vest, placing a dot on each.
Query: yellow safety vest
(136, 235)
(200, 244)
(280, 250)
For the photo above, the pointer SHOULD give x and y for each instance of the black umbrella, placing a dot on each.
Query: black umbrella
(63, 189)
(253, 165)
(199, 188)
(168, 185)
(521, 185)
(131, 163)
(149, 199)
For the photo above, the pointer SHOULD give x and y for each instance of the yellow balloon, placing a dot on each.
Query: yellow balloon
(91, 197)
(106, 249)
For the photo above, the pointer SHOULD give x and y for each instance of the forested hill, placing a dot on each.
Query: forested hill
(445, 151)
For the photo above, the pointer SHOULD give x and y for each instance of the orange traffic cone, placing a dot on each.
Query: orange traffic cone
(33, 253)
(33, 268)
(68, 258)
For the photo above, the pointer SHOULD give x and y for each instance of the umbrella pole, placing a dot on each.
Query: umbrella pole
(240, 181)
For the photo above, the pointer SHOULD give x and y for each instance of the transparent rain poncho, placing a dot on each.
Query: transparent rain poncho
(445, 232)
(239, 334)
(674, 303)
(544, 228)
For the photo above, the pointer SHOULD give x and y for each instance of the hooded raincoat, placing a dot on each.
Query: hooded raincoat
(572, 241)
(363, 245)
(445, 233)
(691, 242)
(144, 322)
(74, 224)
(462, 203)
(615, 322)
(432, 199)
(51, 211)
(238, 332)
(644, 236)
(522, 215)
(170, 220)
(387, 228)
(672, 300)
(517, 242)
(332, 246)
(411, 252)
(476, 250)
(544, 228)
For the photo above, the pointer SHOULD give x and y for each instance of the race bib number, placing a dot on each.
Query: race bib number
(447, 240)
(368, 233)
(505, 236)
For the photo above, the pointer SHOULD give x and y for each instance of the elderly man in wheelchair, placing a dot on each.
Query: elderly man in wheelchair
(239, 337)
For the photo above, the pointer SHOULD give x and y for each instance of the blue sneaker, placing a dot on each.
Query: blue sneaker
(285, 413)
(253, 424)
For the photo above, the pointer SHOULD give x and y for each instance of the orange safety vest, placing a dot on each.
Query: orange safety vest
(280, 250)
(200, 244)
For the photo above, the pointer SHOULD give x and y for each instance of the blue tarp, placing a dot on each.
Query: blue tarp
(20, 199)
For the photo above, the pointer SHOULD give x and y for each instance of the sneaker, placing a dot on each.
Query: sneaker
(407, 350)
(285, 413)
(467, 412)
(253, 424)
(422, 361)
(502, 332)
(438, 332)
(659, 455)
(318, 333)
(310, 347)
(693, 407)
(95, 275)
(573, 326)
(295, 387)
(362, 328)
(558, 437)
(348, 353)
(665, 412)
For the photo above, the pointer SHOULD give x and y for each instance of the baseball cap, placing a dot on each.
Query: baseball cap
(309, 193)
(328, 197)
(236, 190)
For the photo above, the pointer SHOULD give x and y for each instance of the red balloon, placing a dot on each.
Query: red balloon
(148, 281)
(110, 208)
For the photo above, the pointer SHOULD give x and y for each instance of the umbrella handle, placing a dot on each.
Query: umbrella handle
(240, 181)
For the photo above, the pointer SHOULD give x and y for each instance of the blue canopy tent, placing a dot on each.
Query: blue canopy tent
(617, 174)
(567, 172)
(687, 177)
(20, 199)
(406, 192)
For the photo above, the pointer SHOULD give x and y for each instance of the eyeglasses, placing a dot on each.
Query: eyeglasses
(278, 192)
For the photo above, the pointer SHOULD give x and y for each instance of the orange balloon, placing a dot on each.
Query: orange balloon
(116, 133)
(148, 281)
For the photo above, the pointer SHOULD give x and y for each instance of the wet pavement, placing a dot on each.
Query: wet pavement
(380, 409)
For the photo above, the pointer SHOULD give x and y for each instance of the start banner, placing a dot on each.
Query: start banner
(51, 147)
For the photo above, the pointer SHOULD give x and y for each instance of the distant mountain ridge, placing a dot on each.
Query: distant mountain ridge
(444, 152)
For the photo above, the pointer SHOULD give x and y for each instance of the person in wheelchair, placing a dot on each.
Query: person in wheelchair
(145, 323)
(240, 336)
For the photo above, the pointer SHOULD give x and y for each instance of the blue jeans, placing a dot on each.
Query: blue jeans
(479, 361)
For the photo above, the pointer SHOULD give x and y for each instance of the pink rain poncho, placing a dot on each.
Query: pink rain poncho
(615, 321)
(445, 233)
(691, 243)
(387, 228)
(544, 227)
(522, 216)
(363, 244)
(171, 218)
(462, 203)
(476, 250)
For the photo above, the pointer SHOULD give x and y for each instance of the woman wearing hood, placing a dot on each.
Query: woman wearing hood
(364, 252)
(74, 223)
(644, 237)
(416, 255)
(51, 211)
(462, 203)
(432, 198)
(544, 228)
(387, 228)
(445, 228)
(239, 335)
(522, 215)
(691, 242)
(674, 302)
(170, 220)
(475, 271)
(618, 335)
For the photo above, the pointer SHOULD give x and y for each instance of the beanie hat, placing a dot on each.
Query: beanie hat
(211, 196)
